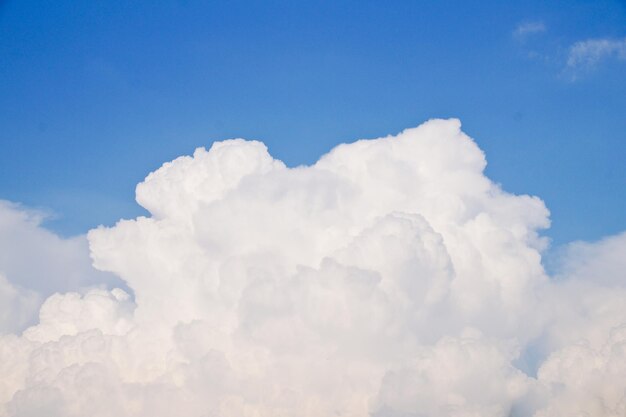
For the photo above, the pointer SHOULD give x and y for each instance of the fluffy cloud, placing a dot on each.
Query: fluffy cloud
(601, 262)
(35, 263)
(18, 306)
(391, 278)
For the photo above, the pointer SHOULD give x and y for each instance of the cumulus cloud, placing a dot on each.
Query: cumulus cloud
(18, 306)
(586, 55)
(390, 278)
(598, 262)
(524, 30)
(35, 263)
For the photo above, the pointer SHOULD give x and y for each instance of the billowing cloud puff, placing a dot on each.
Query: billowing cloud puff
(391, 278)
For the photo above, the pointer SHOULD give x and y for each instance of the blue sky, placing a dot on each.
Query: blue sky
(94, 95)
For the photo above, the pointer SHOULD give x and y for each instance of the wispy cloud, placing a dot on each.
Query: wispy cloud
(588, 53)
(526, 29)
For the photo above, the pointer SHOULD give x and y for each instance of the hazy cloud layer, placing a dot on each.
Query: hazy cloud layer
(391, 278)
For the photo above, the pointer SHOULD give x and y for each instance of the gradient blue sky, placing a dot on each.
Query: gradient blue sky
(94, 95)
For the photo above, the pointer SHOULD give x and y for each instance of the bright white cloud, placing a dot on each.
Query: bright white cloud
(391, 278)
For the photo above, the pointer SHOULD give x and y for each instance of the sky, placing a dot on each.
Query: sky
(95, 95)
(338, 209)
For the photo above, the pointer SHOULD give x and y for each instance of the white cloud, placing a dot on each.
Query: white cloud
(441, 380)
(599, 262)
(526, 29)
(587, 54)
(35, 263)
(391, 278)
(18, 306)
